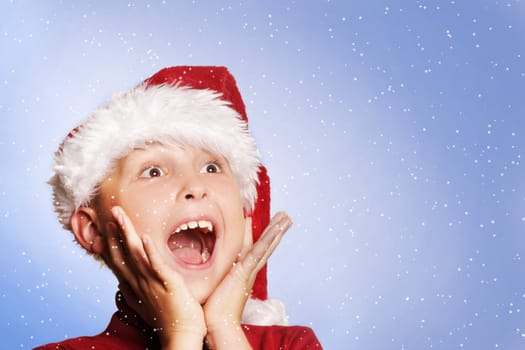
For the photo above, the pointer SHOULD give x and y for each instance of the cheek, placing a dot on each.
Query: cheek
(147, 209)
(143, 198)
(228, 191)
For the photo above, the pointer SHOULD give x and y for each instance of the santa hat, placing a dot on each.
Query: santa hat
(194, 105)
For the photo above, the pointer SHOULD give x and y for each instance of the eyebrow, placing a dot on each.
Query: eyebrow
(137, 155)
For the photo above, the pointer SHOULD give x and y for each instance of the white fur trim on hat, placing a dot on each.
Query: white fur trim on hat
(161, 113)
(264, 313)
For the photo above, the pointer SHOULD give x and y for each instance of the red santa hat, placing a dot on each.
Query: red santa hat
(194, 105)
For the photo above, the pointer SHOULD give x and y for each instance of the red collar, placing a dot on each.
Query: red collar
(129, 327)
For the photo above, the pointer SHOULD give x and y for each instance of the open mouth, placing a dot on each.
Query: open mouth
(193, 242)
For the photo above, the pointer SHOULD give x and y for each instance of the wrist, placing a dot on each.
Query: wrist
(182, 336)
(227, 336)
(182, 340)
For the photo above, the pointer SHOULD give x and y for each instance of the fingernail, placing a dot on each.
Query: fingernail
(110, 228)
(117, 214)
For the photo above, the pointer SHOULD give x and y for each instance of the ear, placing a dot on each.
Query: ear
(83, 223)
(247, 243)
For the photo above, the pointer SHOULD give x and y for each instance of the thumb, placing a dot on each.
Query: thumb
(247, 243)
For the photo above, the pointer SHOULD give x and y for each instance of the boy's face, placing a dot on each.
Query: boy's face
(167, 190)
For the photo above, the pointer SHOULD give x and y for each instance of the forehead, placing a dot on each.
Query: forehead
(168, 151)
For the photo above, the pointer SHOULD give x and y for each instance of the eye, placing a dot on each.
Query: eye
(211, 168)
(152, 171)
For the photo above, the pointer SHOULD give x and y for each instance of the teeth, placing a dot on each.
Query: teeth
(205, 255)
(181, 227)
(203, 224)
(192, 224)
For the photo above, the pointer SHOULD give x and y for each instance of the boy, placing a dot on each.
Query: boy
(164, 185)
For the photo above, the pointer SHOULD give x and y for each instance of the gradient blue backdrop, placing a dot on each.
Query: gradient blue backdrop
(393, 132)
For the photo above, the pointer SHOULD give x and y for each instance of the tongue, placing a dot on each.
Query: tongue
(188, 255)
(187, 247)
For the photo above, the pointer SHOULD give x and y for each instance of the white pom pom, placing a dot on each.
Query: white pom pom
(264, 313)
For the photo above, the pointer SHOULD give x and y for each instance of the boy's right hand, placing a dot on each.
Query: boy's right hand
(155, 291)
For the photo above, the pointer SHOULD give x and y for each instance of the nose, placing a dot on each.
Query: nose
(193, 195)
(194, 189)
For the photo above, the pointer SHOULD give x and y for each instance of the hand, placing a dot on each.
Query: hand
(154, 290)
(223, 309)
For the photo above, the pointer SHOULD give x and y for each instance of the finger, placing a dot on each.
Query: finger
(132, 243)
(277, 226)
(135, 267)
(248, 239)
(269, 240)
(117, 256)
(275, 229)
(264, 247)
(128, 231)
(157, 264)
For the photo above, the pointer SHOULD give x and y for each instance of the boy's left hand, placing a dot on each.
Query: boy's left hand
(223, 309)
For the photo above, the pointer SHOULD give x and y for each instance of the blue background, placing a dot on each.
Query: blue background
(393, 132)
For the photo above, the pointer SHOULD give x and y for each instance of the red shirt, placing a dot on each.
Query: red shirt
(127, 331)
